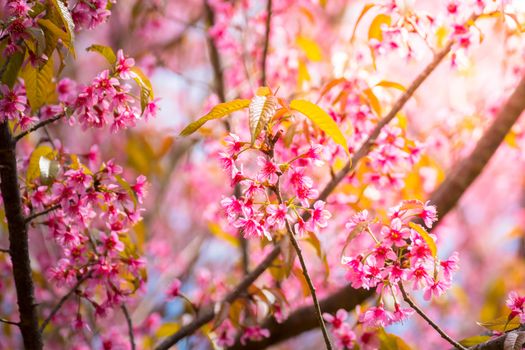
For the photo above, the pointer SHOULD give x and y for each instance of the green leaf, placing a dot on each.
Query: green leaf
(471, 341)
(66, 21)
(426, 237)
(40, 85)
(320, 118)
(262, 108)
(501, 324)
(105, 51)
(13, 68)
(219, 111)
(33, 169)
(146, 90)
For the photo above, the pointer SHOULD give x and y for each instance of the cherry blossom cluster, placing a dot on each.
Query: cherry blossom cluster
(22, 16)
(400, 253)
(255, 211)
(91, 13)
(107, 100)
(88, 212)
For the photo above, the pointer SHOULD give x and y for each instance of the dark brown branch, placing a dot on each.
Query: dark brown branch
(421, 313)
(41, 213)
(130, 326)
(215, 58)
(18, 241)
(2, 320)
(63, 301)
(3, 250)
(266, 42)
(36, 127)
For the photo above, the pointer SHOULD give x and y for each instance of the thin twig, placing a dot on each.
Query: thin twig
(43, 212)
(130, 326)
(4, 250)
(429, 321)
(306, 275)
(3, 320)
(37, 126)
(266, 41)
(62, 301)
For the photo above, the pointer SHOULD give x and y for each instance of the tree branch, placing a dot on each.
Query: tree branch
(215, 58)
(311, 286)
(266, 42)
(441, 332)
(130, 326)
(3, 320)
(41, 213)
(37, 126)
(18, 241)
(63, 301)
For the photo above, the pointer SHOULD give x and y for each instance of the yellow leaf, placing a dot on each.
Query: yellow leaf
(501, 324)
(391, 84)
(219, 233)
(310, 48)
(302, 74)
(426, 237)
(167, 329)
(375, 32)
(105, 51)
(320, 118)
(262, 108)
(390, 341)
(510, 139)
(374, 101)
(40, 84)
(33, 169)
(363, 12)
(441, 36)
(472, 341)
(219, 111)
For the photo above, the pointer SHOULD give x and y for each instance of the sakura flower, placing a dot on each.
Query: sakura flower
(174, 289)
(377, 316)
(277, 215)
(336, 320)
(268, 170)
(320, 216)
(124, 66)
